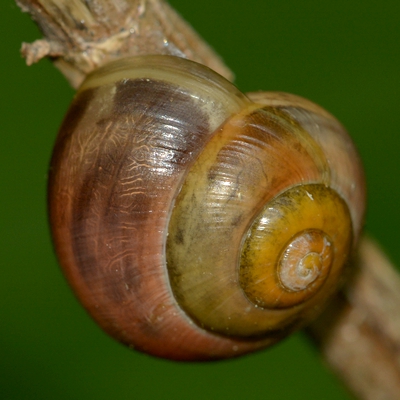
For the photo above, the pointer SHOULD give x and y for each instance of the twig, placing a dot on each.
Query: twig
(82, 35)
(359, 334)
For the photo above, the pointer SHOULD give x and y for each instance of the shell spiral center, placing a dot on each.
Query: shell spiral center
(305, 261)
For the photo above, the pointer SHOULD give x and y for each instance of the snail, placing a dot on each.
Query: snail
(195, 222)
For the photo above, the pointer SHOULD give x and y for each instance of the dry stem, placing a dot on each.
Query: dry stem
(359, 335)
(82, 35)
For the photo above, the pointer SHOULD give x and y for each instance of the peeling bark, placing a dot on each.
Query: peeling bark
(80, 36)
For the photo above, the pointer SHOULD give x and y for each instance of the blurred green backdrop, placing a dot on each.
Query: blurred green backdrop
(343, 54)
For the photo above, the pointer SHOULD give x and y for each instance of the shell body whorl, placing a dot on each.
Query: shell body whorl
(194, 222)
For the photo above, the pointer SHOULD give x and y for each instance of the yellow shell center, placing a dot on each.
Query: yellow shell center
(298, 241)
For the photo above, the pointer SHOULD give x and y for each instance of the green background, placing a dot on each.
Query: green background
(342, 54)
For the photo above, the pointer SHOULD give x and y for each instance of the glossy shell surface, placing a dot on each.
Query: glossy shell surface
(163, 181)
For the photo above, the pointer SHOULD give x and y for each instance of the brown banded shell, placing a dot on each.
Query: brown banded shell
(192, 223)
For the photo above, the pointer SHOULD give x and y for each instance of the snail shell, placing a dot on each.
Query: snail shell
(194, 222)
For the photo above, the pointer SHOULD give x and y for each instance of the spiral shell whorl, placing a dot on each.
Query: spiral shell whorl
(160, 174)
(304, 260)
(259, 174)
(300, 240)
